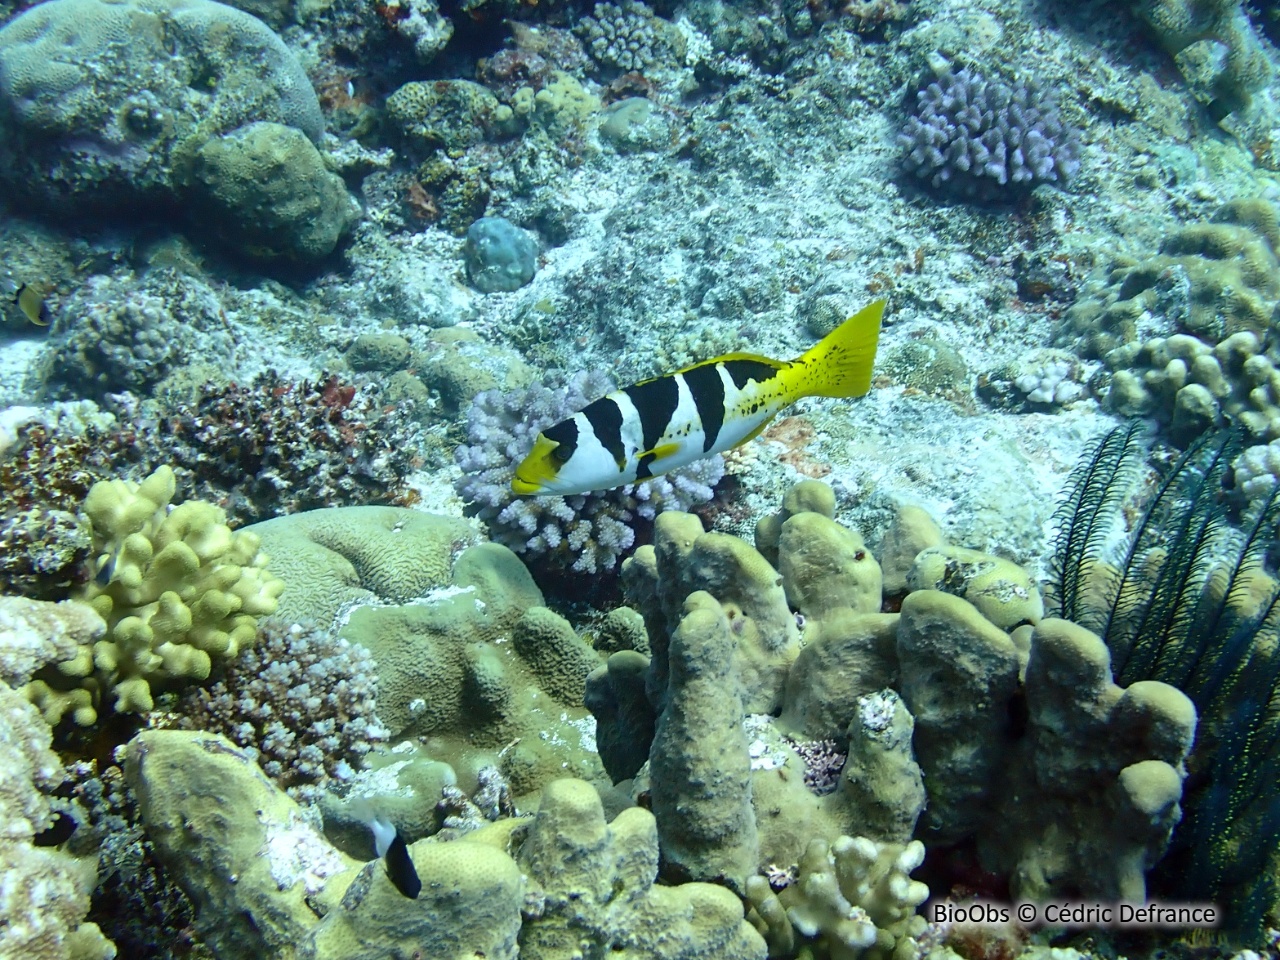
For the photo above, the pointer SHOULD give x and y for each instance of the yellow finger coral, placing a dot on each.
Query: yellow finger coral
(177, 589)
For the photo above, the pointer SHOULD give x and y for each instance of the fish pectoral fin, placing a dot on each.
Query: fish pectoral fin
(660, 452)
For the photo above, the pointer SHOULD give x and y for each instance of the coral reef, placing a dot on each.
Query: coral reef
(907, 723)
(107, 105)
(588, 533)
(277, 446)
(1179, 24)
(449, 114)
(124, 340)
(979, 138)
(37, 632)
(1112, 763)
(45, 894)
(572, 881)
(121, 333)
(49, 458)
(176, 588)
(1182, 330)
(300, 701)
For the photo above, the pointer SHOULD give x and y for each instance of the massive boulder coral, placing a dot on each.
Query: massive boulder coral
(177, 589)
(467, 653)
(108, 103)
(266, 883)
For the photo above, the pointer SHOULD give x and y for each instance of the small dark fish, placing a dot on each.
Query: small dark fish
(29, 298)
(395, 854)
(58, 832)
(107, 570)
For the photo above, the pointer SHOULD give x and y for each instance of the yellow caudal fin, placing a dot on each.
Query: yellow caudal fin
(839, 365)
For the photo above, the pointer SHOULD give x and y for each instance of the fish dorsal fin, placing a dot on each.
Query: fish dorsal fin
(724, 358)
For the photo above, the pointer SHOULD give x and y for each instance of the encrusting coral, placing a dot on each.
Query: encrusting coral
(177, 589)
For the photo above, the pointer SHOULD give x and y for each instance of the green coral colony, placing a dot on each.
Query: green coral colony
(352, 608)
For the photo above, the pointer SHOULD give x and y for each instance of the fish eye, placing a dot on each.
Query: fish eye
(560, 454)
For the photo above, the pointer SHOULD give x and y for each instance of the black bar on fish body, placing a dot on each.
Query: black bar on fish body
(59, 831)
(400, 868)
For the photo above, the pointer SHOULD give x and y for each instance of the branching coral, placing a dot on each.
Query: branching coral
(980, 138)
(854, 897)
(279, 446)
(301, 701)
(627, 36)
(587, 532)
(177, 589)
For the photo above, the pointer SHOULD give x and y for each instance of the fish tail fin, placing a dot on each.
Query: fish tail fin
(839, 365)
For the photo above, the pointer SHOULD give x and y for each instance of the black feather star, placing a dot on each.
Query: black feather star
(1190, 598)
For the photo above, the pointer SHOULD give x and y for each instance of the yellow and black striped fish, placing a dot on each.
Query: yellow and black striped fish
(664, 423)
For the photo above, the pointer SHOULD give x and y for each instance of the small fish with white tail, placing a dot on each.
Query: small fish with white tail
(661, 424)
(394, 853)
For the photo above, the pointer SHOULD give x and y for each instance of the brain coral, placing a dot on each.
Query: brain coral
(100, 99)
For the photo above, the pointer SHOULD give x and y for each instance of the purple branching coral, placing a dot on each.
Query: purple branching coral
(586, 532)
(982, 139)
(300, 699)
